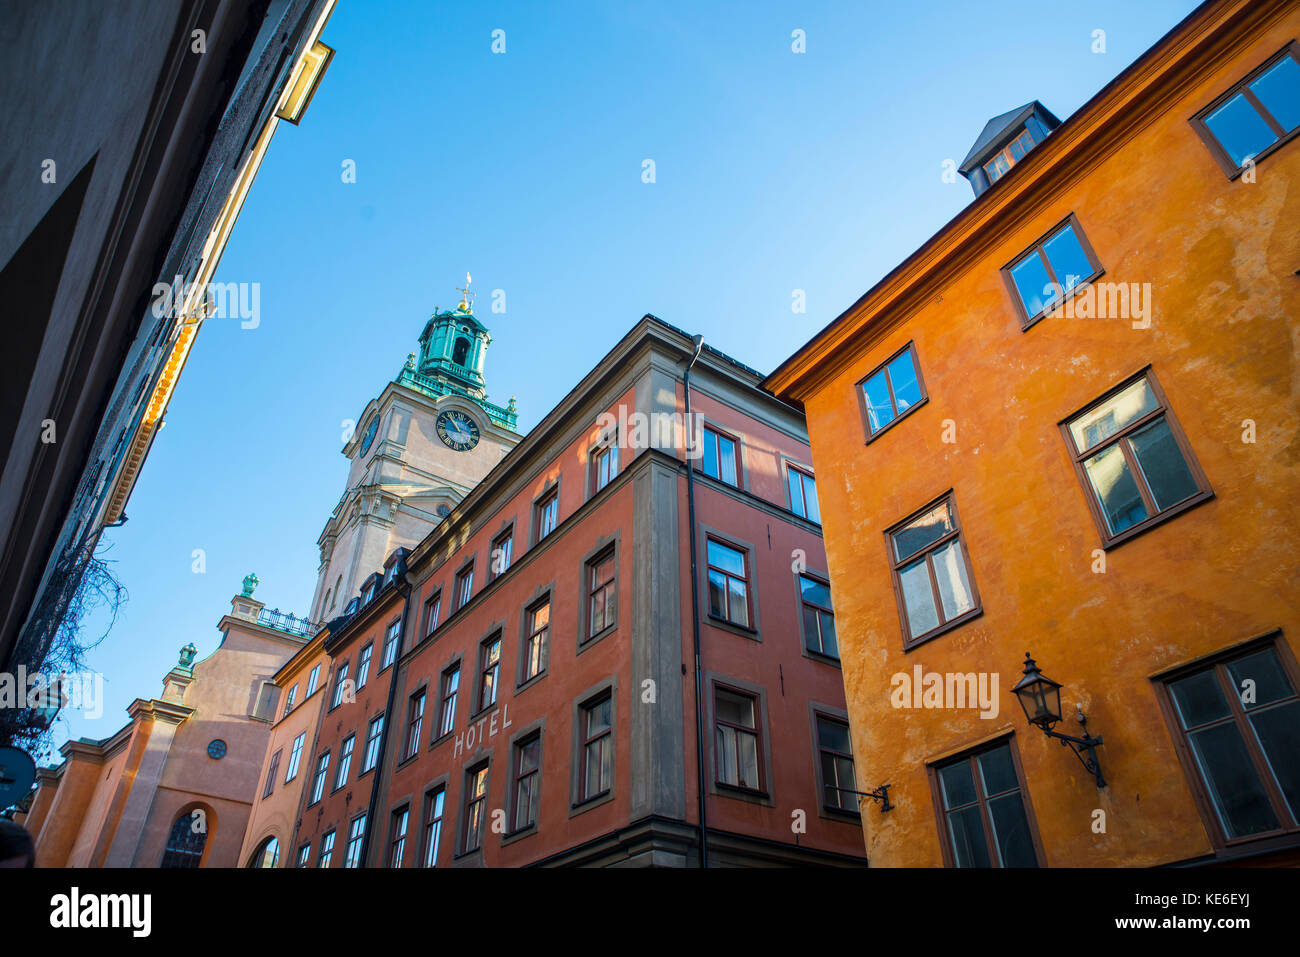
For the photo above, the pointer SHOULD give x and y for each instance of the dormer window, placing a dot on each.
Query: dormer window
(1008, 156)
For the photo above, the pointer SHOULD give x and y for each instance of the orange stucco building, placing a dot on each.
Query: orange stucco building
(174, 787)
(1101, 472)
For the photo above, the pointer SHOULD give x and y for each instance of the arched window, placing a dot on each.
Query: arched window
(267, 854)
(460, 351)
(185, 843)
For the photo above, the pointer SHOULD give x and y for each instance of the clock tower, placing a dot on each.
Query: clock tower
(417, 450)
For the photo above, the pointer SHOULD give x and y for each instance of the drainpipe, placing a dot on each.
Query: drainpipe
(695, 607)
(398, 581)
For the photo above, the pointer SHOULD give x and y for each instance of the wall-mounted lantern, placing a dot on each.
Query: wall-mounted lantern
(1040, 697)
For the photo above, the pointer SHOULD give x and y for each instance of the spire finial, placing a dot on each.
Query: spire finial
(467, 297)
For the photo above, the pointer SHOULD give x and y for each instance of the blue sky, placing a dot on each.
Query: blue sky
(774, 172)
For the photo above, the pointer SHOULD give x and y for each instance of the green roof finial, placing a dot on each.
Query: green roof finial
(250, 582)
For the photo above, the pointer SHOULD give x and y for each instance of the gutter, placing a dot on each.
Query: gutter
(695, 611)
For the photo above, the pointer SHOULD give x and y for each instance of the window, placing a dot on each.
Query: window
(288, 702)
(397, 841)
(932, 576)
(1133, 460)
(318, 780)
(432, 609)
(1040, 278)
(295, 755)
(547, 512)
(892, 391)
(265, 707)
(719, 458)
(1008, 156)
(369, 592)
(737, 755)
(326, 850)
(447, 710)
(414, 723)
(728, 583)
(271, 773)
(499, 559)
(803, 494)
(345, 761)
(372, 744)
(818, 618)
(304, 855)
(538, 629)
(597, 742)
(489, 671)
(604, 465)
(363, 665)
(267, 854)
(184, 843)
(984, 821)
(1257, 115)
(835, 757)
(313, 680)
(528, 778)
(476, 784)
(464, 585)
(340, 682)
(392, 642)
(1237, 726)
(433, 802)
(356, 834)
(602, 600)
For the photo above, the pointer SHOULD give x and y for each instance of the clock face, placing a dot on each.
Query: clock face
(216, 748)
(457, 430)
(369, 437)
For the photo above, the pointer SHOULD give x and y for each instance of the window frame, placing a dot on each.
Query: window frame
(860, 388)
(325, 853)
(517, 745)
(1005, 153)
(709, 431)
(506, 535)
(358, 839)
(471, 773)
(819, 714)
(340, 676)
(756, 700)
(528, 632)
(1217, 662)
(295, 756)
(428, 820)
(319, 778)
(272, 772)
(463, 581)
(549, 496)
(400, 817)
(750, 623)
(822, 579)
(1163, 410)
(608, 587)
(364, 660)
(969, 755)
(372, 734)
(497, 637)
(347, 748)
(432, 612)
(444, 698)
(1217, 151)
(392, 639)
(805, 476)
(911, 641)
(414, 722)
(581, 800)
(1098, 270)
